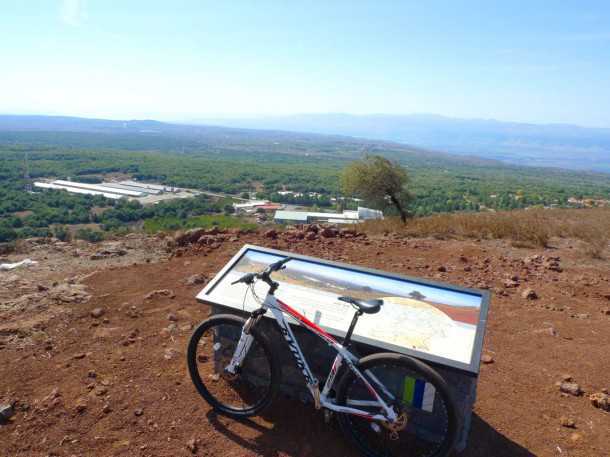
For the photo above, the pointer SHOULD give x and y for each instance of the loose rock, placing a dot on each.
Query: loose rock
(81, 406)
(567, 422)
(571, 388)
(600, 400)
(6, 412)
(195, 280)
(191, 445)
(97, 312)
(529, 294)
(159, 293)
(271, 233)
(487, 359)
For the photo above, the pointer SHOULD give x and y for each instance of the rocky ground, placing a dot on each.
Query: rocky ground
(93, 337)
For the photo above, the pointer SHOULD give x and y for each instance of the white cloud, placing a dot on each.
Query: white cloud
(72, 12)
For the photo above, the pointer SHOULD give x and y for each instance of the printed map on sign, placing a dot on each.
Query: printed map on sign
(433, 320)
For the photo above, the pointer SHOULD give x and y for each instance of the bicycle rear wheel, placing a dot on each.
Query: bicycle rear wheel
(413, 389)
(210, 350)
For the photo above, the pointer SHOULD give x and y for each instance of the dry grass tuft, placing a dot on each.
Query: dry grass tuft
(525, 228)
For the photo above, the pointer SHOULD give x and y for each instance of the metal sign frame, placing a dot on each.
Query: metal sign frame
(472, 367)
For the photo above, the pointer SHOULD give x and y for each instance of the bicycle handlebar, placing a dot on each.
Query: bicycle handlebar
(249, 278)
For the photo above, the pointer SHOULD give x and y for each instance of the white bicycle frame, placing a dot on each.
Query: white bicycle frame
(321, 399)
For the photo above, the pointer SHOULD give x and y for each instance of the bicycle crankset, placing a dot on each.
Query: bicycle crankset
(397, 426)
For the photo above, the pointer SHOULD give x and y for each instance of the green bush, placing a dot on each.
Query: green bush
(7, 234)
(61, 233)
(89, 235)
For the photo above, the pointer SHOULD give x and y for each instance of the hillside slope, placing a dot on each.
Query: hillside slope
(116, 383)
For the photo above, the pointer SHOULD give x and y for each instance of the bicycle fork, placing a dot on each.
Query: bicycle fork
(243, 345)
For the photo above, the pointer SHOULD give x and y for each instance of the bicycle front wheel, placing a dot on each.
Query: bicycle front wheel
(418, 394)
(210, 350)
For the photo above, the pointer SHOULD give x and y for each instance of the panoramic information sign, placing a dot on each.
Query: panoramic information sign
(429, 320)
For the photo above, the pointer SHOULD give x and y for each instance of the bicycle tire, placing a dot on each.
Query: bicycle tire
(419, 370)
(260, 341)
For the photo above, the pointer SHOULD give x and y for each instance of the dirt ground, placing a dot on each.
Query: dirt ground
(117, 384)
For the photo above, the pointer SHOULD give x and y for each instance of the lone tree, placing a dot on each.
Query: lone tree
(379, 181)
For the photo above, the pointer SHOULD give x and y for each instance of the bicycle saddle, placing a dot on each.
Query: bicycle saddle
(366, 306)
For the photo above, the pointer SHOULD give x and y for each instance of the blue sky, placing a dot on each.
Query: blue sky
(534, 61)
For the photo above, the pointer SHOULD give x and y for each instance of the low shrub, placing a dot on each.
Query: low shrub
(525, 228)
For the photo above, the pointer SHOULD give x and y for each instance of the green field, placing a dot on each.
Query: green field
(169, 224)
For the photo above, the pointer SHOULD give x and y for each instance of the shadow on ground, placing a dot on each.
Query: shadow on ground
(295, 430)
(486, 441)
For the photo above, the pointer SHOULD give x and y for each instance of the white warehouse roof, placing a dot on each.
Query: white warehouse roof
(76, 190)
(99, 188)
(144, 185)
(116, 185)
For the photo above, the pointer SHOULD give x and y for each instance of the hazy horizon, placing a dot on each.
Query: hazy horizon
(201, 120)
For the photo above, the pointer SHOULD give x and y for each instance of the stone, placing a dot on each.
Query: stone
(328, 232)
(510, 283)
(101, 391)
(138, 412)
(190, 236)
(271, 234)
(567, 422)
(97, 312)
(80, 355)
(106, 409)
(159, 293)
(487, 359)
(529, 294)
(442, 268)
(195, 280)
(571, 388)
(192, 446)
(6, 412)
(172, 317)
(575, 437)
(600, 400)
(581, 316)
(170, 354)
(550, 331)
(311, 236)
(81, 406)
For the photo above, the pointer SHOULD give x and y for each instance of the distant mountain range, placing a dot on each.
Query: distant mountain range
(552, 145)
(340, 136)
(151, 135)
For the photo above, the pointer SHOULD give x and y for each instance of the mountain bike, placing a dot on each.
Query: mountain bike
(387, 404)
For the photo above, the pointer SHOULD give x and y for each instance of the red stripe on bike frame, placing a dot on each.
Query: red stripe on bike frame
(303, 320)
